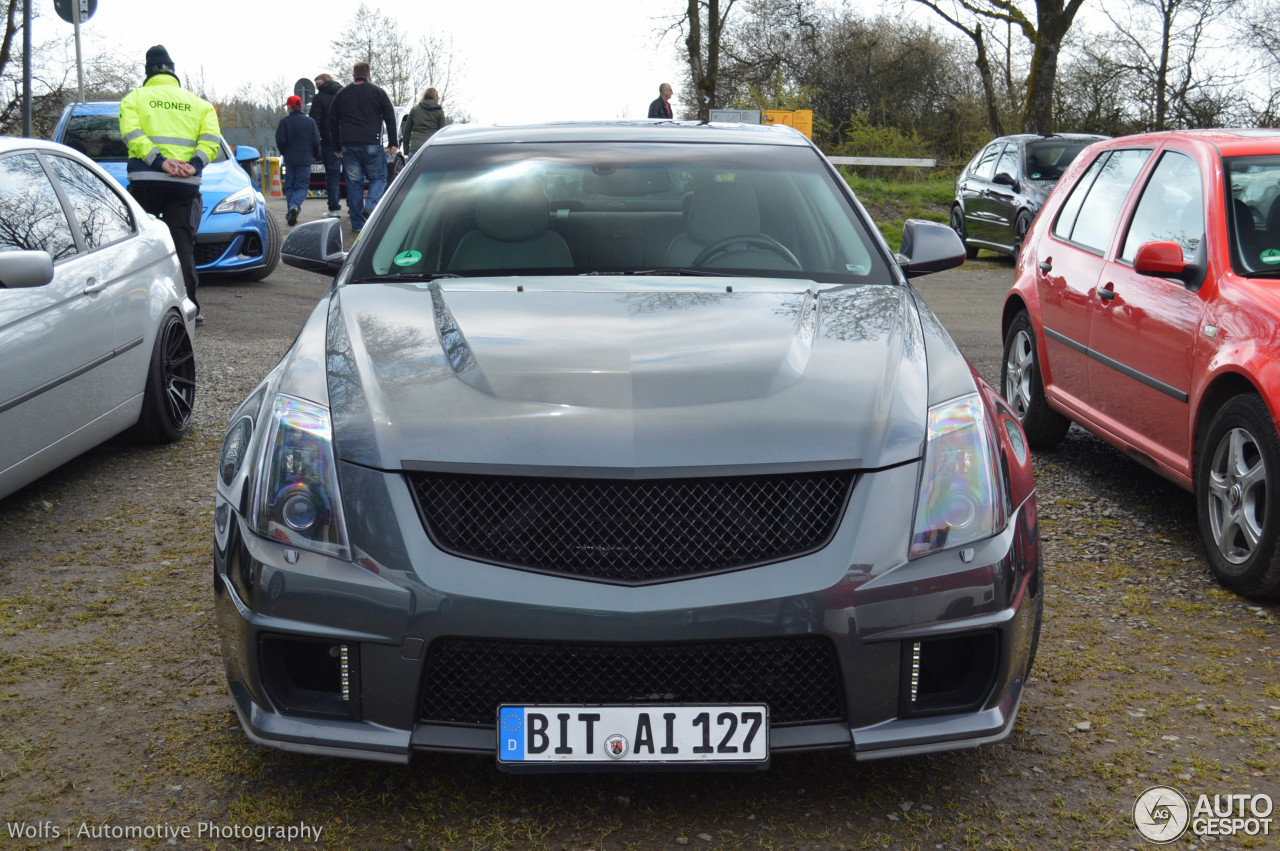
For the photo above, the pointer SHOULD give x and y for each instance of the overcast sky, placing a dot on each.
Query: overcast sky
(524, 61)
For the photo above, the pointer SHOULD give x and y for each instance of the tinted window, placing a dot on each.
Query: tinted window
(1008, 162)
(31, 217)
(986, 166)
(1171, 208)
(1047, 159)
(102, 215)
(96, 136)
(1089, 216)
(1254, 183)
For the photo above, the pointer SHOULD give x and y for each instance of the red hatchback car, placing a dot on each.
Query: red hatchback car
(1146, 308)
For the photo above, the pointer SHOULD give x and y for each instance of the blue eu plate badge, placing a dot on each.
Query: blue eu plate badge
(511, 723)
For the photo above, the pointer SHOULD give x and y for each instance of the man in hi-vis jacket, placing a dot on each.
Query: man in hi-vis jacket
(172, 135)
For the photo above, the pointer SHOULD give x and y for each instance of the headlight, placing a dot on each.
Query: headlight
(296, 499)
(239, 202)
(959, 500)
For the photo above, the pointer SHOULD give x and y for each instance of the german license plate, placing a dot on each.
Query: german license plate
(633, 734)
(317, 168)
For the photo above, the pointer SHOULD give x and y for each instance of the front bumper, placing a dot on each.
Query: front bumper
(232, 242)
(387, 612)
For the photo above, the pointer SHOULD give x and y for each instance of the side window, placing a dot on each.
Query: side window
(1094, 219)
(1070, 211)
(1171, 208)
(31, 216)
(1008, 162)
(987, 162)
(103, 217)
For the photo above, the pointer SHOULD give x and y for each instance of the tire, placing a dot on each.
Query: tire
(1021, 225)
(1023, 387)
(957, 225)
(271, 252)
(170, 392)
(1237, 469)
(394, 167)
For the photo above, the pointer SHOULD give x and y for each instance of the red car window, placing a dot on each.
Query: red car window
(1171, 208)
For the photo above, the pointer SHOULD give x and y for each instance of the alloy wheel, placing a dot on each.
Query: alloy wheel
(1019, 368)
(178, 376)
(1237, 495)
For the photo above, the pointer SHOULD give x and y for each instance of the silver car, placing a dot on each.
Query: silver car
(624, 444)
(95, 326)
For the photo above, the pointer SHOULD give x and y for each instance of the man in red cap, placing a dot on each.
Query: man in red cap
(298, 140)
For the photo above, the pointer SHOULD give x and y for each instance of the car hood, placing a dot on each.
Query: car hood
(439, 375)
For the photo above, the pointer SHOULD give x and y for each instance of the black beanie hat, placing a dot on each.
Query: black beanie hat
(158, 60)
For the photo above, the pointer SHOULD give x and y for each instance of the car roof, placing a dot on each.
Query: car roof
(96, 107)
(1039, 137)
(1230, 141)
(22, 143)
(620, 131)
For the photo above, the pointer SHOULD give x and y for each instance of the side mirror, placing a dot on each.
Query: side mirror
(1163, 259)
(1006, 179)
(247, 153)
(928, 247)
(20, 269)
(315, 246)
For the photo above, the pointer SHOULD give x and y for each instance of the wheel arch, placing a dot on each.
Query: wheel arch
(1221, 389)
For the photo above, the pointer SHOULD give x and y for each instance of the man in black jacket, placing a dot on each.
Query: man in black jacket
(326, 88)
(661, 107)
(298, 141)
(356, 118)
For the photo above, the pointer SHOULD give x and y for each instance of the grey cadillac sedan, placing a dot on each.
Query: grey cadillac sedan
(624, 445)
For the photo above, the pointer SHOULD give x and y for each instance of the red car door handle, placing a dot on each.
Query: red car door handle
(1046, 265)
(1106, 293)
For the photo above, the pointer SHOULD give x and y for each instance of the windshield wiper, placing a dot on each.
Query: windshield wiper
(697, 273)
(411, 278)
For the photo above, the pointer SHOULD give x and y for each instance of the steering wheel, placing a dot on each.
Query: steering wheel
(746, 240)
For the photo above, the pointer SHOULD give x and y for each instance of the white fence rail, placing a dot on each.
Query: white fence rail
(904, 161)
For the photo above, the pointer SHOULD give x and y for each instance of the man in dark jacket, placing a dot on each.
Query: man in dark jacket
(326, 88)
(298, 140)
(661, 107)
(356, 118)
(424, 120)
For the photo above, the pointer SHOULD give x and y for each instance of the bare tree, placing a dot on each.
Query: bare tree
(701, 16)
(375, 38)
(1046, 33)
(976, 29)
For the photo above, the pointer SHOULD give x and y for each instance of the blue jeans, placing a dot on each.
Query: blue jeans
(297, 176)
(366, 167)
(332, 177)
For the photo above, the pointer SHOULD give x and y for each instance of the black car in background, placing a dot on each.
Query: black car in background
(999, 192)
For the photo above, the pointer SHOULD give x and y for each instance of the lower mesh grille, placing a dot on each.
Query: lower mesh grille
(466, 679)
(631, 531)
(208, 252)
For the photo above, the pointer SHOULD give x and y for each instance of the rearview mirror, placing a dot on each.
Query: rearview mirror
(315, 246)
(25, 269)
(928, 247)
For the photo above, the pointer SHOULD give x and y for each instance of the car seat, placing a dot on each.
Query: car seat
(511, 232)
(716, 211)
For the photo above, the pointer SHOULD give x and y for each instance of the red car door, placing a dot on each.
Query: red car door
(1144, 331)
(1069, 266)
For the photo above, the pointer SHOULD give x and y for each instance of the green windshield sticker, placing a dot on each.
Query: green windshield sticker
(1271, 256)
(408, 258)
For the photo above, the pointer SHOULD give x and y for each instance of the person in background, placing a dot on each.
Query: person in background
(354, 124)
(298, 140)
(661, 107)
(172, 135)
(326, 88)
(424, 119)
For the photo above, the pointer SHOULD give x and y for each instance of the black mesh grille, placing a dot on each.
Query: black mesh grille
(466, 679)
(208, 252)
(631, 530)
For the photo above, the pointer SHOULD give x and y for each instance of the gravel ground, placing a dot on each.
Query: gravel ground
(114, 714)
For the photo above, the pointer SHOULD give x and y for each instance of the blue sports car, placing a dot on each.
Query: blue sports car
(237, 234)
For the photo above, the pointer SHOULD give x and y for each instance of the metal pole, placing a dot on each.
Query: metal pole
(76, 12)
(26, 68)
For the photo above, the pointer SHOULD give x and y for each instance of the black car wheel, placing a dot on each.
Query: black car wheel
(1021, 225)
(1023, 386)
(1236, 468)
(170, 392)
(957, 225)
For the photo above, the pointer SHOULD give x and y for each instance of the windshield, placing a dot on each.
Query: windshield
(98, 138)
(620, 209)
(1049, 158)
(1253, 185)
